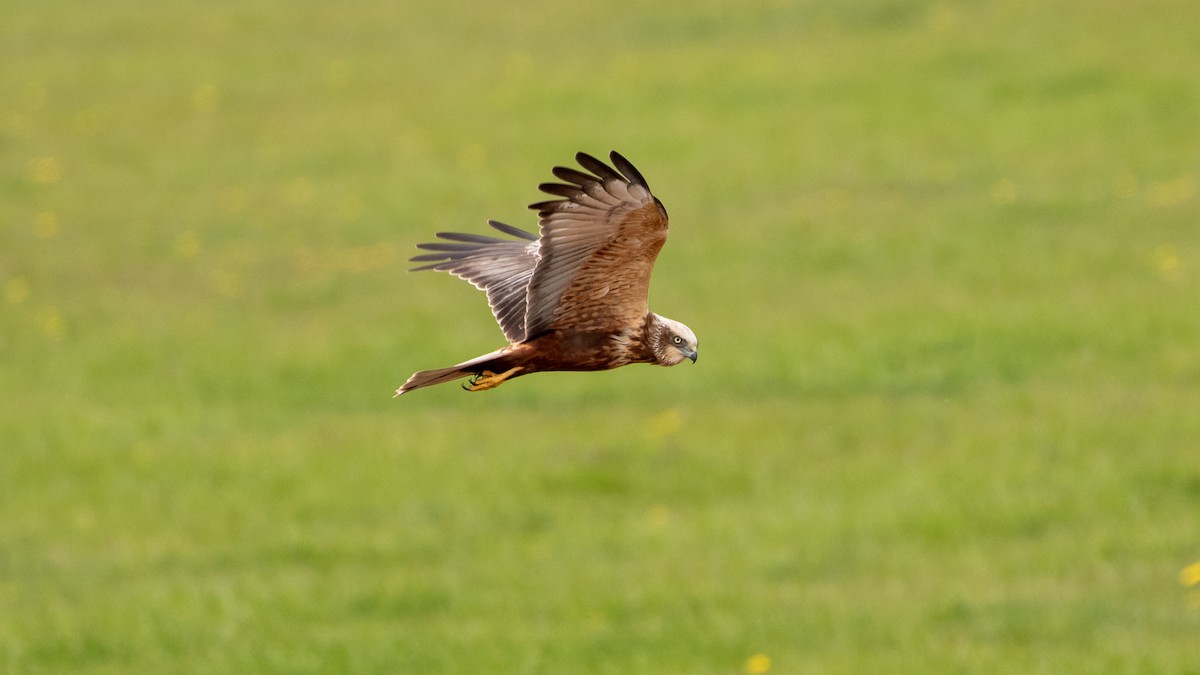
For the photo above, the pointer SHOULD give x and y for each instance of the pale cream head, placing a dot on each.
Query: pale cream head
(673, 342)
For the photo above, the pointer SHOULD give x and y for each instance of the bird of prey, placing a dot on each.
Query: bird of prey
(573, 297)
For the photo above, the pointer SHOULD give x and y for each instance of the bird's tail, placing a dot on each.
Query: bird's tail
(427, 378)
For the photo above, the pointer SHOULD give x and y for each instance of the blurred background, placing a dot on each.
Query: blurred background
(943, 258)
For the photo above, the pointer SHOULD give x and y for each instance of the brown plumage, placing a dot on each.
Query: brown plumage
(575, 297)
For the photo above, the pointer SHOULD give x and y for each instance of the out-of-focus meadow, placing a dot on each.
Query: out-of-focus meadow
(943, 259)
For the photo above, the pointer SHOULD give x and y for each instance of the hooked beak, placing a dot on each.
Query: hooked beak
(693, 355)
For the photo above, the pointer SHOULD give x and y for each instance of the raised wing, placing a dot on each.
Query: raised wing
(598, 247)
(501, 268)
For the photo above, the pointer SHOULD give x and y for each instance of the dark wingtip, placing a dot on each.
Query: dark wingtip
(561, 190)
(583, 159)
(628, 169)
(544, 208)
(513, 231)
(572, 175)
(602, 170)
(466, 237)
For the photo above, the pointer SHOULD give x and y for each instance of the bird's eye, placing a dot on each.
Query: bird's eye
(677, 340)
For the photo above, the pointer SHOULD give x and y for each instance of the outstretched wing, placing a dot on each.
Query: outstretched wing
(501, 268)
(598, 247)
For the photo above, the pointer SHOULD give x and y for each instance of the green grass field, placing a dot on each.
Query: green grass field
(943, 260)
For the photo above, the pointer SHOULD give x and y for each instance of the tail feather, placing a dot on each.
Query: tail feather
(426, 378)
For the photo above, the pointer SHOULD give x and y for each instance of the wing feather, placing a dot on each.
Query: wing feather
(602, 170)
(572, 175)
(501, 268)
(513, 231)
(598, 247)
(588, 268)
(573, 192)
(630, 171)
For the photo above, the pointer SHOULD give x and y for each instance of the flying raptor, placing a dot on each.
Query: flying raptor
(574, 297)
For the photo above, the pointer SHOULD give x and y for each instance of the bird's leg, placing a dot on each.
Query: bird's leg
(487, 379)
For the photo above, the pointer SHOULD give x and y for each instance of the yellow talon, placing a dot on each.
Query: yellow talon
(489, 380)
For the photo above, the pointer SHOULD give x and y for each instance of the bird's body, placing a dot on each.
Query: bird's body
(575, 297)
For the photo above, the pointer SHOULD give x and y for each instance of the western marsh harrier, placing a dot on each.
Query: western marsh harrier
(575, 297)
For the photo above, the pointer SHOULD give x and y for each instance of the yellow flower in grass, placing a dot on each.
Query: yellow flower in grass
(757, 664)
(943, 18)
(45, 226)
(1190, 575)
(1166, 261)
(1174, 192)
(1004, 191)
(187, 244)
(45, 170)
(658, 516)
(665, 423)
(50, 320)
